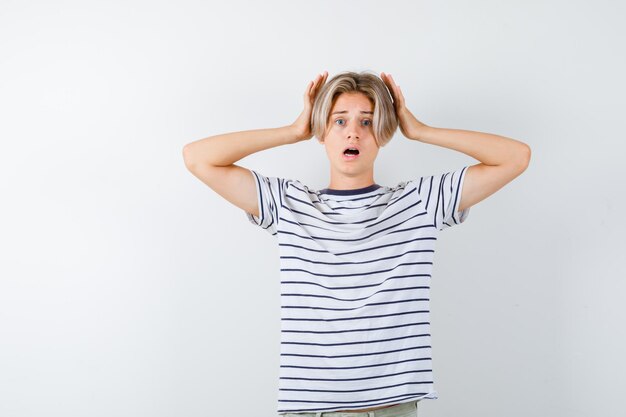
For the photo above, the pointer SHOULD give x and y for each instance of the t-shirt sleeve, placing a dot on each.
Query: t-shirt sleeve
(441, 195)
(270, 195)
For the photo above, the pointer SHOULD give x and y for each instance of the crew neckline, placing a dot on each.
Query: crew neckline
(351, 191)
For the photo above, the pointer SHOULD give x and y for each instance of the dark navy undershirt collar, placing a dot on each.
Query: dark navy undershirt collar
(351, 191)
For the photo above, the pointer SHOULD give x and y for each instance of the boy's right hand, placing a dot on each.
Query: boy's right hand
(302, 125)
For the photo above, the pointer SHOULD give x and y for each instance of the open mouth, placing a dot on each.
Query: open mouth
(350, 153)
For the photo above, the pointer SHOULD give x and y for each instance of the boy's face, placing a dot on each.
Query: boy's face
(350, 125)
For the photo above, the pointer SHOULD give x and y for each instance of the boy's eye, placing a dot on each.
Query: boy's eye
(366, 122)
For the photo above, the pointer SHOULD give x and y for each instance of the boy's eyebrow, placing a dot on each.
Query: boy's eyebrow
(346, 111)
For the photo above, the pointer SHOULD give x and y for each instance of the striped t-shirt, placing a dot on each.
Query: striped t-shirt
(355, 270)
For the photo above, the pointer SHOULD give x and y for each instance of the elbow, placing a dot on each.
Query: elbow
(523, 156)
(526, 152)
(188, 157)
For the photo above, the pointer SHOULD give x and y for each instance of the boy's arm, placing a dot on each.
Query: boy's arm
(502, 159)
(228, 148)
(212, 161)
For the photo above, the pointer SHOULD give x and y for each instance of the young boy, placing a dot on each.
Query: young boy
(356, 257)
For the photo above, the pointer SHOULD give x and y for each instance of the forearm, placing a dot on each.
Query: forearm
(488, 148)
(226, 149)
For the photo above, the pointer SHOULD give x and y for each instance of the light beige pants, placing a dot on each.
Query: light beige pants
(408, 409)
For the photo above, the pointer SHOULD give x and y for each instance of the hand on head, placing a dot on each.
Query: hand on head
(396, 93)
(302, 125)
(409, 125)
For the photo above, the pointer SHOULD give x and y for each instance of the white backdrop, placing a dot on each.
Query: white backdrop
(130, 288)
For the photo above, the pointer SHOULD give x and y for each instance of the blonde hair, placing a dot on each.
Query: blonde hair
(385, 120)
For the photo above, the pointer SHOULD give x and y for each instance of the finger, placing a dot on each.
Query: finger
(392, 90)
(323, 76)
(316, 81)
(400, 97)
(309, 89)
(391, 85)
(314, 90)
(396, 88)
(385, 78)
(319, 81)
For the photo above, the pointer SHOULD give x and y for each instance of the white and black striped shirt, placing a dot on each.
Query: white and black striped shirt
(355, 269)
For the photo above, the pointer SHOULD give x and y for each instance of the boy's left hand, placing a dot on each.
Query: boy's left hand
(409, 125)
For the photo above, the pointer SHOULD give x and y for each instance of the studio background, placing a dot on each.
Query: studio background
(130, 288)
